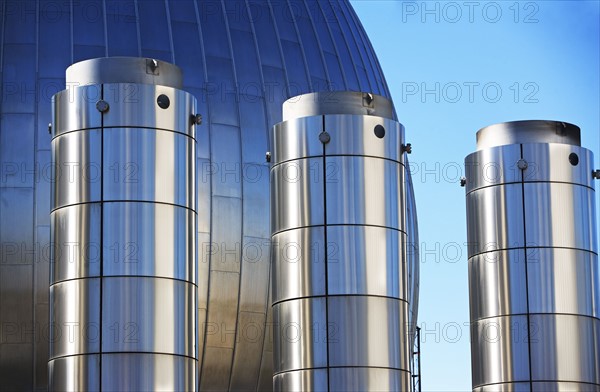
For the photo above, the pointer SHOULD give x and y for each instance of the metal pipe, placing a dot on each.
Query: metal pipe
(533, 259)
(339, 224)
(123, 267)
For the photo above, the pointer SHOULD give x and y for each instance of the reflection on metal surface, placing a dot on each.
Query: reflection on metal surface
(343, 305)
(533, 262)
(124, 279)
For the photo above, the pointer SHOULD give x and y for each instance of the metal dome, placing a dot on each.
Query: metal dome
(241, 59)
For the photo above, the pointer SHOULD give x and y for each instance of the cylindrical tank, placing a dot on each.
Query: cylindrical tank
(123, 268)
(338, 211)
(533, 263)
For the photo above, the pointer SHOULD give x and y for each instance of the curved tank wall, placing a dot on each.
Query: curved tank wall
(241, 59)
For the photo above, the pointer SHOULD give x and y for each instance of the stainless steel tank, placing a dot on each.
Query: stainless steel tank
(339, 262)
(123, 226)
(533, 259)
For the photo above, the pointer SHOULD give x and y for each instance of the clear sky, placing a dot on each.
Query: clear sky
(490, 62)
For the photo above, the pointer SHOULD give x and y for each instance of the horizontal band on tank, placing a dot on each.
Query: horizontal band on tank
(536, 314)
(338, 296)
(124, 201)
(122, 352)
(122, 126)
(124, 276)
(531, 247)
(335, 155)
(528, 382)
(337, 224)
(531, 182)
(342, 367)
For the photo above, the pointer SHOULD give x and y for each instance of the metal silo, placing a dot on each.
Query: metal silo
(242, 60)
(123, 270)
(340, 279)
(533, 259)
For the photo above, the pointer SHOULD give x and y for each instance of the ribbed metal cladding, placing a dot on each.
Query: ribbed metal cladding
(123, 223)
(340, 281)
(533, 259)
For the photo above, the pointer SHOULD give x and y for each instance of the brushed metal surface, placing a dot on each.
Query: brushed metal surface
(83, 370)
(81, 100)
(528, 131)
(300, 334)
(550, 163)
(369, 379)
(493, 166)
(297, 138)
(299, 263)
(366, 260)
(365, 191)
(560, 215)
(149, 165)
(76, 250)
(301, 380)
(367, 332)
(77, 165)
(495, 219)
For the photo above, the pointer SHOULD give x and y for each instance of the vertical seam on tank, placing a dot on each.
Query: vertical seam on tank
(326, 258)
(347, 48)
(333, 43)
(208, 130)
(278, 38)
(241, 234)
(361, 58)
(526, 272)
(306, 68)
(265, 116)
(105, 20)
(170, 30)
(312, 24)
(101, 237)
(368, 47)
(137, 28)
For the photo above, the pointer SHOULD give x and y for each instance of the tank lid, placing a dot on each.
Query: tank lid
(337, 102)
(529, 131)
(137, 70)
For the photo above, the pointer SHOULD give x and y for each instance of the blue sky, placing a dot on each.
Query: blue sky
(489, 62)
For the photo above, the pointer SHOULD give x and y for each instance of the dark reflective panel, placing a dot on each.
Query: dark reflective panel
(149, 239)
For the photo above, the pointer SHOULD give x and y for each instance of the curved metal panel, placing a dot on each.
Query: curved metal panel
(369, 379)
(563, 281)
(302, 183)
(301, 380)
(300, 334)
(148, 372)
(552, 163)
(81, 100)
(75, 326)
(139, 237)
(364, 332)
(564, 348)
(84, 371)
(76, 244)
(560, 215)
(507, 387)
(149, 165)
(355, 135)
(564, 387)
(77, 168)
(299, 263)
(296, 139)
(492, 166)
(499, 350)
(365, 191)
(145, 315)
(502, 228)
(494, 276)
(366, 260)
